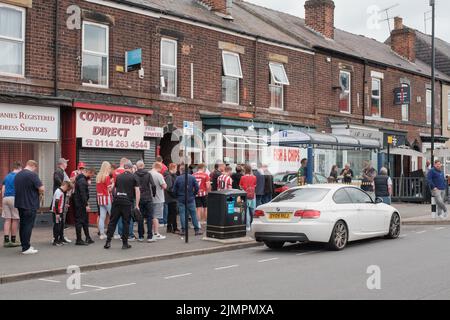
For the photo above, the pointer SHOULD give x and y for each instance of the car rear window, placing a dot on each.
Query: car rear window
(302, 195)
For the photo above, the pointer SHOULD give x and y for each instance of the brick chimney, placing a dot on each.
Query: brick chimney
(319, 16)
(403, 40)
(220, 6)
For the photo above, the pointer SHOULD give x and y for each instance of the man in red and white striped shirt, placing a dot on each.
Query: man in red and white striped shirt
(225, 182)
(58, 206)
(201, 199)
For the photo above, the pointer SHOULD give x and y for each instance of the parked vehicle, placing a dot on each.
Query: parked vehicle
(286, 180)
(329, 213)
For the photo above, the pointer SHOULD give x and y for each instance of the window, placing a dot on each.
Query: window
(302, 195)
(341, 197)
(232, 72)
(95, 54)
(376, 98)
(359, 196)
(278, 79)
(428, 101)
(345, 81)
(448, 106)
(405, 107)
(169, 67)
(12, 40)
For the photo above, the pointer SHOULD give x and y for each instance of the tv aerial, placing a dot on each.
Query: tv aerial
(388, 17)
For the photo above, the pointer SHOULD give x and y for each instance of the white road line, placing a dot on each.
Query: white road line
(267, 260)
(91, 286)
(48, 280)
(306, 253)
(178, 276)
(439, 228)
(403, 236)
(227, 267)
(79, 292)
(420, 232)
(119, 286)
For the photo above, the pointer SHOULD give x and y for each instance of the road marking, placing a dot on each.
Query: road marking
(267, 260)
(118, 286)
(403, 236)
(439, 228)
(227, 267)
(306, 253)
(420, 232)
(178, 276)
(48, 280)
(91, 286)
(79, 292)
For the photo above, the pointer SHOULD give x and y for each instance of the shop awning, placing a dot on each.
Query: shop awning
(292, 138)
(404, 152)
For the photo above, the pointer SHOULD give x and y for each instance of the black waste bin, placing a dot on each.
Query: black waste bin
(227, 214)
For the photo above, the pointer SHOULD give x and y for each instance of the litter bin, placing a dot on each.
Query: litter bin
(226, 214)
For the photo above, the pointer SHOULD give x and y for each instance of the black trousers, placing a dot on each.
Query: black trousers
(27, 219)
(58, 227)
(119, 211)
(172, 216)
(81, 222)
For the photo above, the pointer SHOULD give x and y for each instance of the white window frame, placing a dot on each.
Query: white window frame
(225, 71)
(428, 106)
(172, 67)
(405, 85)
(104, 26)
(277, 64)
(377, 97)
(23, 11)
(349, 91)
(238, 89)
(275, 85)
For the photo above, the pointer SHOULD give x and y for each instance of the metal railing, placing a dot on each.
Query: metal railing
(409, 189)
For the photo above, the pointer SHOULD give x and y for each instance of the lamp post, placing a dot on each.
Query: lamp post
(433, 76)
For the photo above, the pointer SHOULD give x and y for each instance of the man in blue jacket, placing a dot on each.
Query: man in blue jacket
(438, 185)
(178, 191)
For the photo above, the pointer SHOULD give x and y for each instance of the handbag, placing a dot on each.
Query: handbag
(136, 215)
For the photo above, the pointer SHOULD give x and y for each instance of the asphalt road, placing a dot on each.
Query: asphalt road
(416, 266)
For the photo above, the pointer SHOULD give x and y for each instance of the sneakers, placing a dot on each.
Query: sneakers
(117, 237)
(131, 239)
(141, 239)
(14, 245)
(102, 236)
(58, 243)
(107, 245)
(31, 250)
(67, 240)
(126, 246)
(80, 243)
(90, 241)
(198, 233)
(7, 244)
(159, 236)
(151, 240)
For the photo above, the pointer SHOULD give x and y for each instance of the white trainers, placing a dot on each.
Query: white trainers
(117, 237)
(67, 240)
(151, 240)
(31, 250)
(159, 237)
(102, 236)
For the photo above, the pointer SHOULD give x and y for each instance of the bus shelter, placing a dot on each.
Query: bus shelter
(316, 140)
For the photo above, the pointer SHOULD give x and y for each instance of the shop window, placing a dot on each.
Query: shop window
(278, 79)
(356, 160)
(428, 106)
(169, 67)
(232, 72)
(405, 107)
(12, 40)
(376, 98)
(95, 54)
(345, 95)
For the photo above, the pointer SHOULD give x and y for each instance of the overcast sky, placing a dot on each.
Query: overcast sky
(357, 16)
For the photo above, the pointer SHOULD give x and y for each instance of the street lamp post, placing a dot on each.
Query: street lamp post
(433, 76)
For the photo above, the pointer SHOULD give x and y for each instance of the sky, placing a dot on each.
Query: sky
(361, 16)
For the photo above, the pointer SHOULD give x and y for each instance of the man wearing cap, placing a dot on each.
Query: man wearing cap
(76, 173)
(60, 175)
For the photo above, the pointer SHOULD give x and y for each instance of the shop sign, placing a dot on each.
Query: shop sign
(111, 130)
(402, 95)
(154, 132)
(29, 122)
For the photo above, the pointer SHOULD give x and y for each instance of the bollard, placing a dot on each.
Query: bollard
(433, 207)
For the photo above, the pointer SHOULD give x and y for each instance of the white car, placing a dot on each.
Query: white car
(328, 213)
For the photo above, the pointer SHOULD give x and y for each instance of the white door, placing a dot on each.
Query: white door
(372, 220)
(347, 209)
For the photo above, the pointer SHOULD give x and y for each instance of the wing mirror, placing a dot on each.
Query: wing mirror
(378, 200)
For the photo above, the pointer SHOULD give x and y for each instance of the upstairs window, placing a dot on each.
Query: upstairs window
(345, 80)
(376, 98)
(232, 72)
(405, 107)
(278, 79)
(95, 54)
(12, 40)
(169, 67)
(428, 106)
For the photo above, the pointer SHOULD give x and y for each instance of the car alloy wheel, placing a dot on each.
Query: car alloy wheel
(339, 237)
(394, 227)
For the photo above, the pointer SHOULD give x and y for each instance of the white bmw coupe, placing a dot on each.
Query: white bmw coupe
(330, 213)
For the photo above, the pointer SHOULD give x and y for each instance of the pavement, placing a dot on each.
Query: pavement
(51, 261)
(415, 266)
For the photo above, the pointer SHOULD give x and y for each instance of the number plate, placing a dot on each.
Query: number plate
(280, 216)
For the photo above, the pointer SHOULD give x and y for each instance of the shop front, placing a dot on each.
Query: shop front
(97, 133)
(30, 133)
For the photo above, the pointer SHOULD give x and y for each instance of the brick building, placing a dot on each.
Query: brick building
(232, 67)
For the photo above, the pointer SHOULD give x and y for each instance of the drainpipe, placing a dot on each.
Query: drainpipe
(255, 77)
(56, 50)
(364, 92)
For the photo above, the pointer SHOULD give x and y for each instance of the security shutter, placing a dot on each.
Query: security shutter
(150, 154)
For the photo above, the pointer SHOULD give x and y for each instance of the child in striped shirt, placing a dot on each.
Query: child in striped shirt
(225, 182)
(58, 208)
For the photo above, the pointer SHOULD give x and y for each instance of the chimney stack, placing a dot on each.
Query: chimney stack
(221, 6)
(403, 40)
(319, 16)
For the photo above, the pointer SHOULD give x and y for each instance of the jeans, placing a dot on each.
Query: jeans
(165, 214)
(192, 211)
(251, 204)
(267, 198)
(104, 210)
(130, 227)
(439, 196)
(58, 227)
(146, 208)
(259, 200)
(387, 200)
(27, 219)
(123, 212)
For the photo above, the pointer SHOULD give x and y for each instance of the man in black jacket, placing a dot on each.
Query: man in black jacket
(60, 175)
(80, 199)
(171, 201)
(219, 169)
(148, 188)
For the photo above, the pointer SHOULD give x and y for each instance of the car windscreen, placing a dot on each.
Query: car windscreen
(302, 195)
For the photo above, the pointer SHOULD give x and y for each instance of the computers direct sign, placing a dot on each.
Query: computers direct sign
(29, 122)
(111, 130)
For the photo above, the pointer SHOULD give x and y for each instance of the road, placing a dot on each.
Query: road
(416, 266)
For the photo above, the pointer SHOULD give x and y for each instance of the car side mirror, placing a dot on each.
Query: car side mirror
(378, 200)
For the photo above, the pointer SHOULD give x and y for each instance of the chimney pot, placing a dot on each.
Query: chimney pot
(403, 40)
(319, 16)
(222, 6)
(398, 23)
